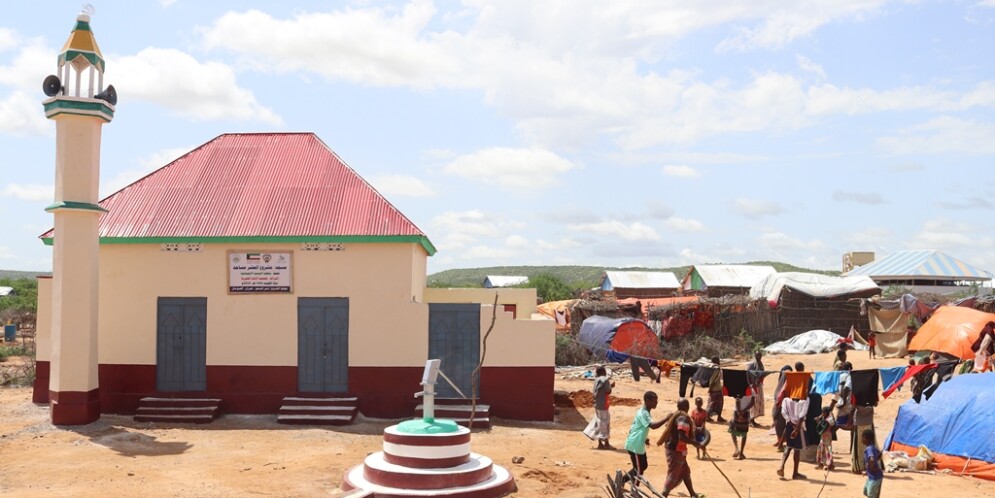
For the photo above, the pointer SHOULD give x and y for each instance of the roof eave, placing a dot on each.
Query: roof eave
(421, 240)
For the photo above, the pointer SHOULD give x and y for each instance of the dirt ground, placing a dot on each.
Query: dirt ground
(253, 455)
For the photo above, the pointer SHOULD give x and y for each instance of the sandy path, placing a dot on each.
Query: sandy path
(244, 456)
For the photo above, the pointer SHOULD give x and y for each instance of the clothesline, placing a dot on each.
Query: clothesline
(822, 382)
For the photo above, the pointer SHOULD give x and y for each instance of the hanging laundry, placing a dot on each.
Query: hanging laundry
(796, 384)
(944, 372)
(666, 366)
(865, 387)
(909, 373)
(616, 357)
(826, 382)
(735, 383)
(687, 372)
(704, 376)
(890, 376)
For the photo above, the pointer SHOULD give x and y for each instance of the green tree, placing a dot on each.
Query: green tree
(549, 288)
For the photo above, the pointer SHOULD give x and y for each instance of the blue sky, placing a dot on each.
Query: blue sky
(558, 132)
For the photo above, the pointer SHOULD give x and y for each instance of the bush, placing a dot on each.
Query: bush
(571, 353)
(692, 347)
(20, 373)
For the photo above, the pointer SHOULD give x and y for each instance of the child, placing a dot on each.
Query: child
(739, 426)
(700, 418)
(872, 342)
(635, 444)
(872, 461)
(824, 426)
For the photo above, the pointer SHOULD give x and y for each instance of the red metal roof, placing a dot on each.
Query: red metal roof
(253, 185)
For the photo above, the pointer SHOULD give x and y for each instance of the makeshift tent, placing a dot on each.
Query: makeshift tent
(646, 303)
(719, 280)
(811, 342)
(889, 344)
(956, 424)
(624, 335)
(558, 311)
(887, 320)
(951, 330)
(812, 284)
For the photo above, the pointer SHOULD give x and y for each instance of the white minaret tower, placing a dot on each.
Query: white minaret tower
(80, 105)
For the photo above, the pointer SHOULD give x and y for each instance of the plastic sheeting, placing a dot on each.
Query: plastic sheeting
(811, 284)
(957, 421)
(951, 330)
(624, 335)
(811, 342)
(884, 320)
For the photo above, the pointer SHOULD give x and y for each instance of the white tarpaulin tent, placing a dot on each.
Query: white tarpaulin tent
(811, 284)
(811, 342)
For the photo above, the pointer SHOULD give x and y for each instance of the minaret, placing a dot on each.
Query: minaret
(80, 106)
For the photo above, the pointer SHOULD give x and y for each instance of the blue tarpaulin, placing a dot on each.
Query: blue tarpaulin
(956, 421)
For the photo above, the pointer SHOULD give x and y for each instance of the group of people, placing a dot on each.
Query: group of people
(799, 421)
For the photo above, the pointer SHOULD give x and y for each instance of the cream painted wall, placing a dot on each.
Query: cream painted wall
(43, 320)
(523, 299)
(517, 343)
(386, 327)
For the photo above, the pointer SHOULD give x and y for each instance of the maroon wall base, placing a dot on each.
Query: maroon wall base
(386, 392)
(518, 393)
(40, 392)
(242, 389)
(75, 407)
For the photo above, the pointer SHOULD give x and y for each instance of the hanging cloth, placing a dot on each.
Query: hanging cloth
(891, 376)
(865, 387)
(910, 372)
(826, 382)
(736, 383)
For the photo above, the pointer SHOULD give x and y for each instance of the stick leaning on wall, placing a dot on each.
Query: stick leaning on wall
(475, 376)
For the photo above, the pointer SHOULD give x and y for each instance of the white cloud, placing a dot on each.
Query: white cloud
(681, 171)
(166, 3)
(780, 241)
(830, 99)
(186, 86)
(906, 167)
(146, 165)
(868, 198)
(398, 185)
(30, 192)
(943, 135)
(806, 64)
(438, 154)
(20, 115)
(959, 239)
(511, 168)
(756, 208)
(684, 225)
(473, 222)
(517, 242)
(567, 72)
(633, 232)
(784, 23)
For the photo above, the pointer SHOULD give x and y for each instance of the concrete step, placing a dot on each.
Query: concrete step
(178, 410)
(315, 419)
(181, 419)
(151, 401)
(320, 401)
(318, 410)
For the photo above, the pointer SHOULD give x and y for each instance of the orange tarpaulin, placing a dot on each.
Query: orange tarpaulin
(951, 330)
(977, 468)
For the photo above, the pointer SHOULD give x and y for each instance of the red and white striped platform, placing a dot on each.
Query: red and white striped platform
(429, 465)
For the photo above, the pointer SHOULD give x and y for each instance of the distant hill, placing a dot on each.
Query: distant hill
(579, 277)
(14, 274)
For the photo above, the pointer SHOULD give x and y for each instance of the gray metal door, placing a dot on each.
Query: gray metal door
(323, 345)
(454, 338)
(181, 344)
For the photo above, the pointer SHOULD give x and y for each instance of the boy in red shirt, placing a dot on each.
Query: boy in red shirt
(872, 342)
(700, 417)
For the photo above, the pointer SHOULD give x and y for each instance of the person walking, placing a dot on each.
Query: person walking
(602, 389)
(756, 376)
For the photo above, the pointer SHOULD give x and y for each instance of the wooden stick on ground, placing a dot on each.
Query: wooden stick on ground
(733, 486)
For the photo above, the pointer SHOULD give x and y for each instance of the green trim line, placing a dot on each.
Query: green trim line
(84, 206)
(81, 25)
(95, 107)
(342, 239)
(91, 57)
